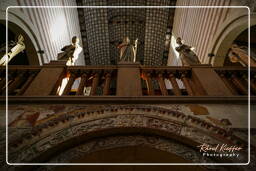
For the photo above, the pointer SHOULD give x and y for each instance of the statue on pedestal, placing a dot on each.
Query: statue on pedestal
(127, 50)
(71, 52)
(187, 56)
(19, 47)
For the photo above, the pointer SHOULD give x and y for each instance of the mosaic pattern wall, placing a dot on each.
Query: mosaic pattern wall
(156, 25)
(126, 22)
(103, 29)
(81, 16)
(97, 32)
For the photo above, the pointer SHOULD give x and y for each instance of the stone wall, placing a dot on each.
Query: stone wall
(52, 28)
(201, 27)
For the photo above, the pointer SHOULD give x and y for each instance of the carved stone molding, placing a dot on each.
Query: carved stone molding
(112, 142)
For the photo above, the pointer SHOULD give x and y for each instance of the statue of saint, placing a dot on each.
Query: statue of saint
(19, 47)
(240, 54)
(127, 50)
(187, 56)
(71, 52)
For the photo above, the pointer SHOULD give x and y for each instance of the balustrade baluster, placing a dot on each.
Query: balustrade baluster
(149, 84)
(2, 84)
(95, 83)
(253, 86)
(187, 84)
(162, 84)
(253, 82)
(229, 84)
(82, 84)
(17, 82)
(69, 84)
(175, 85)
(239, 84)
(107, 84)
(27, 83)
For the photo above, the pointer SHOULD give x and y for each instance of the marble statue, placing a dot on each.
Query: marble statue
(19, 47)
(71, 52)
(187, 56)
(127, 50)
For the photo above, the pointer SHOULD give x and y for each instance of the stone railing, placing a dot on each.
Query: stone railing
(237, 80)
(19, 79)
(126, 80)
(87, 81)
(196, 81)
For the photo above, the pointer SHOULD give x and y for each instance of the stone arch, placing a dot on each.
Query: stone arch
(81, 126)
(225, 36)
(20, 24)
(147, 142)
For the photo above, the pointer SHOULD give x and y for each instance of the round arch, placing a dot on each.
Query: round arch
(225, 36)
(19, 24)
(79, 127)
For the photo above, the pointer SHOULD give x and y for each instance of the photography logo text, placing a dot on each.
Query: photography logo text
(219, 150)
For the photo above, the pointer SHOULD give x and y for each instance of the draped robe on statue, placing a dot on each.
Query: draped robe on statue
(127, 52)
(188, 57)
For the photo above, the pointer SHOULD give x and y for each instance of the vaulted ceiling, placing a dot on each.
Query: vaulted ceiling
(103, 29)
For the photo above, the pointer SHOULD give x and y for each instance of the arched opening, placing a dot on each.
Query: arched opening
(130, 148)
(231, 32)
(131, 154)
(29, 56)
(20, 58)
(238, 52)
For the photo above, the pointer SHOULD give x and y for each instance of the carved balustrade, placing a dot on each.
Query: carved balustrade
(237, 80)
(167, 81)
(57, 80)
(17, 79)
(86, 81)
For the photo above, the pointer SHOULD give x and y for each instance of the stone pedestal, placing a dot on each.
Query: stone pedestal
(209, 82)
(128, 79)
(44, 82)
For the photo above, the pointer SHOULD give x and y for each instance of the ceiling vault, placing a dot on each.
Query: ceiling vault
(103, 29)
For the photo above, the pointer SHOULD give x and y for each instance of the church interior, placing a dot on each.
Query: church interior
(129, 85)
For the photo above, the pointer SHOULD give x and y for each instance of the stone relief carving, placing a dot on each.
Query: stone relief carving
(77, 122)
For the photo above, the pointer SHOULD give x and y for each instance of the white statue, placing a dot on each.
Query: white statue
(71, 52)
(19, 47)
(187, 56)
